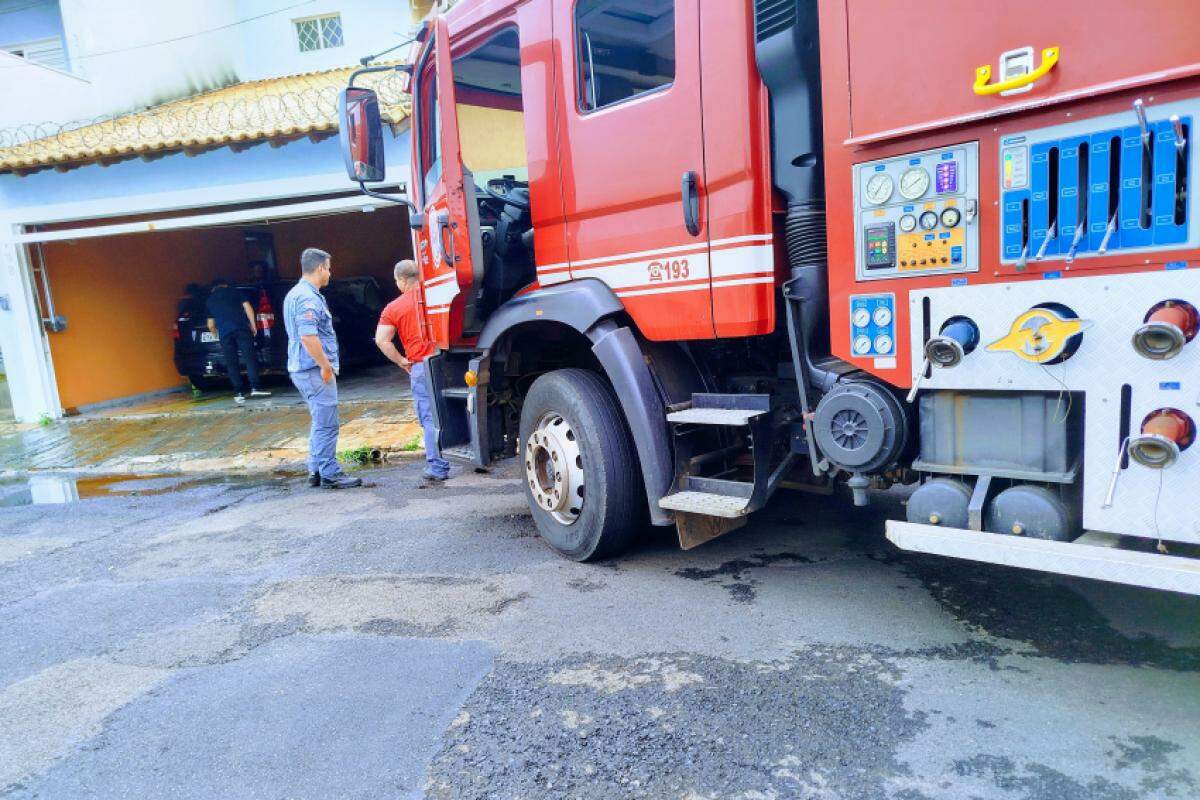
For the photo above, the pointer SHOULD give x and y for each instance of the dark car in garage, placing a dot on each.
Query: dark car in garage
(355, 304)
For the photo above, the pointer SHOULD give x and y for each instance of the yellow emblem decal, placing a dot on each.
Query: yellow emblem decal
(1039, 336)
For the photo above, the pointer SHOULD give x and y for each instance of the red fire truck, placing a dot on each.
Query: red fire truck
(677, 255)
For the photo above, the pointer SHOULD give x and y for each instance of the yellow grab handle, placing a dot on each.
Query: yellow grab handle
(984, 74)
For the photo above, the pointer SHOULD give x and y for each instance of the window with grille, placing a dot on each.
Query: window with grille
(319, 33)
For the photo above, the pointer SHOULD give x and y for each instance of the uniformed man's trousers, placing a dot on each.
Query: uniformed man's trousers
(322, 399)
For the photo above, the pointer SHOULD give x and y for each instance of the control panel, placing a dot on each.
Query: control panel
(1118, 183)
(873, 325)
(918, 214)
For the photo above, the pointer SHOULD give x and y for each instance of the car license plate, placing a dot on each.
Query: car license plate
(208, 337)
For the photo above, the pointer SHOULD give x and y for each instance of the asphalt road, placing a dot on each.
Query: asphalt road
(258, 639)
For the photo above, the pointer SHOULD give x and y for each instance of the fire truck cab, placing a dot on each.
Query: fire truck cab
(677, 255)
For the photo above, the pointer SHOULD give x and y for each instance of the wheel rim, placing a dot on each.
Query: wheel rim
(554, 468)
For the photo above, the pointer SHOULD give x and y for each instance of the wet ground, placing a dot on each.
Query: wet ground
(236, 639)
(209, 432)
(6, 409)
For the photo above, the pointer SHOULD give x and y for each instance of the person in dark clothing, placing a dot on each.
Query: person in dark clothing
(231, 320)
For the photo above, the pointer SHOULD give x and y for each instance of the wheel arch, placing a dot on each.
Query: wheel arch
(587, 314)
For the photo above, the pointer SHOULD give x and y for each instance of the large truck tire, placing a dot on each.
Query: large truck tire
(581, 473)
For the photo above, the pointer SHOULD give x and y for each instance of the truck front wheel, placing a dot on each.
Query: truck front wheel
(581, 474)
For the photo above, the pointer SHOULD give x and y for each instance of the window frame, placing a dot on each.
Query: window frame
(577, 48)
(317, 19)
(424, 104)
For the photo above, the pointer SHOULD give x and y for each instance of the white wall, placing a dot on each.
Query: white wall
(34, 94)
(269, 46)
(127, 55)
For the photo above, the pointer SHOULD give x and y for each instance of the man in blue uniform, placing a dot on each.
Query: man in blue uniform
(313, 366)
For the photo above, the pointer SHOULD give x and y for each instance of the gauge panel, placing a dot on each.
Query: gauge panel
(917, 214)
(873, 326)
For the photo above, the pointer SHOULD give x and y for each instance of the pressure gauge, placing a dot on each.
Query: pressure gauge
(862, 345)
(951, 217)
(914, 183)
(883, 316)
(879, 188)
(862, 318)
(883, 343)
(929, 220)
(908, 223)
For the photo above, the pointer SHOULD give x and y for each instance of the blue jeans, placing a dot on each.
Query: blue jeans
(322, 399)
(420, 392)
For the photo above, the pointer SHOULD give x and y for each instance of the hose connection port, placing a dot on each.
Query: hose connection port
(1168, 327)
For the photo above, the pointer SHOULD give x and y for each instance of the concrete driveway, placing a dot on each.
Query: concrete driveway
(179, 432)
(251, 638)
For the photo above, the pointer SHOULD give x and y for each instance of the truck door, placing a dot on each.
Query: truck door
(632, 159)
(448, 245)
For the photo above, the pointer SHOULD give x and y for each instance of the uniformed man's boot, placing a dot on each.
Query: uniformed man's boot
(314, 479)
(341, 482)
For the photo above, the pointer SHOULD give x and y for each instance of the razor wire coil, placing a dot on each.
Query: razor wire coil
(199, 121)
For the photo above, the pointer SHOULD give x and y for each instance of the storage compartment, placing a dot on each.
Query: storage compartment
(899, 50)
(1027, 436)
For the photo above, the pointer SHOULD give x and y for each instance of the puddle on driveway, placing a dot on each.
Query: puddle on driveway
(58, 489)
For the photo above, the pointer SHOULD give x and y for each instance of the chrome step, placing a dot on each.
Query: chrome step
(707, 503)
(715, 416)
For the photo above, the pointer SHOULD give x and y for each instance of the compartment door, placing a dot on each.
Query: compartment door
(912, 64)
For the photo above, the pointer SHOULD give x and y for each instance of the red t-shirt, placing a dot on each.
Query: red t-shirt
(401, 314)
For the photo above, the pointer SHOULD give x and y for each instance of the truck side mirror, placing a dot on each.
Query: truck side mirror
(361, 133)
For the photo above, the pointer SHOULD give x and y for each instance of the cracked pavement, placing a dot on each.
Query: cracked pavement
(257, 639)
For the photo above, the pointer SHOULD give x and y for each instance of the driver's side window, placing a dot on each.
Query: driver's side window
(431, 150)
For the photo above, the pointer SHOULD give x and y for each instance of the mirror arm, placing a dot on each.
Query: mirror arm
(415, 218)
(365, 70)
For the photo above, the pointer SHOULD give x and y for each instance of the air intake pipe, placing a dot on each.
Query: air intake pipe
(786, 51)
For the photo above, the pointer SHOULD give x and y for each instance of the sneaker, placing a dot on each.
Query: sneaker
(314, 479)
(239, 399)
(341, 482)
(433, 477)
(259, 393)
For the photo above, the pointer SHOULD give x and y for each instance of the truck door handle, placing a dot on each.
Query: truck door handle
(448, 257)
(691, 202)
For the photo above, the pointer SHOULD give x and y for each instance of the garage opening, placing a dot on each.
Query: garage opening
(125, 299)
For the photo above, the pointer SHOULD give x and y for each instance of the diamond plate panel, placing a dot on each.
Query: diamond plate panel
(1148, 503)
(715, 416)
(713, 505)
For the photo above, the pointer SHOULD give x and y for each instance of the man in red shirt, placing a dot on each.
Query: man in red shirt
(401, 316)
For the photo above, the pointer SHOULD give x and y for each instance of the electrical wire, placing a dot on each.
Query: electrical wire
(1162, 548)
(1064, 390)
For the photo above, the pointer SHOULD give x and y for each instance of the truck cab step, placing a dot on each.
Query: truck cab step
(707, 503)
(714, 416)
(459, 453)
